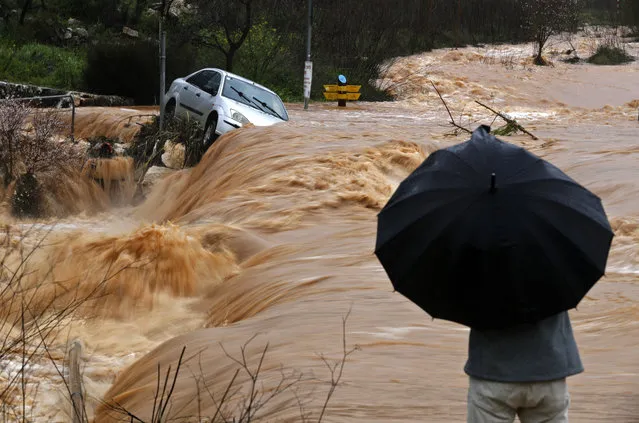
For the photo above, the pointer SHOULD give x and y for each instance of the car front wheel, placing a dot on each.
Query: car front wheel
(169, 111)
(209, 132)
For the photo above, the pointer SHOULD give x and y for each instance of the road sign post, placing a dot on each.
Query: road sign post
(308, 80)
(308, 65)
(342, 92)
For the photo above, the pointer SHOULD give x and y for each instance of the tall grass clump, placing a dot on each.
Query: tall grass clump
(42, 65)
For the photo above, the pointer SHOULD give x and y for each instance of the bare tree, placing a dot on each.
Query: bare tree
(12, 118)
(30, 145)
(34, 146)
(41, 152)
(545, 18)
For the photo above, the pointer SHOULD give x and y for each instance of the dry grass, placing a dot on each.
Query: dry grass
(243, 401)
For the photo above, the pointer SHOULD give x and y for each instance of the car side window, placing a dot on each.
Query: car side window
(212, 82)
(197, 79)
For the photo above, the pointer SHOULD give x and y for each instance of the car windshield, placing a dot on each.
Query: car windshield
(254, 96)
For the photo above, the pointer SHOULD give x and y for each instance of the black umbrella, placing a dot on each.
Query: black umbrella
(486, 234)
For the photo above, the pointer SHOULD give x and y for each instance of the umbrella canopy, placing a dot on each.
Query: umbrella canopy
(486, 234)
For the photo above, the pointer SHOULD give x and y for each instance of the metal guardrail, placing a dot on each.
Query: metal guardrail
(51, 97)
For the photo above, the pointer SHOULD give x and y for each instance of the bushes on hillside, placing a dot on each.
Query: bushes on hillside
(41, 65)
(131, 68)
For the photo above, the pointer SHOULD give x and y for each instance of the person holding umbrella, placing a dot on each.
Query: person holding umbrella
(488, 235)
(522, 371)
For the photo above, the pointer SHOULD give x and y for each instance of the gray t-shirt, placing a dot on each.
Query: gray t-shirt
(543, 351)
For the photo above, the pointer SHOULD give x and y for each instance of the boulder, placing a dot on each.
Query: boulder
(173, 156)
(81, 32)
(119, 149)
(154, 175)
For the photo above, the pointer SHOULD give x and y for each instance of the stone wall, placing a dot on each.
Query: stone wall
(10, 90)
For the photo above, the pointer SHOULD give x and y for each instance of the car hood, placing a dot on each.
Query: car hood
(256, 117)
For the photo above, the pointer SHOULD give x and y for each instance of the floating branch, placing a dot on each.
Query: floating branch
(509, 121)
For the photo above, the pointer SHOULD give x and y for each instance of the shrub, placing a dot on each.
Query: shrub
(41, 26)
(27, 199)
(610, 55)
(572, 60)
(29, 148)
(148, 145)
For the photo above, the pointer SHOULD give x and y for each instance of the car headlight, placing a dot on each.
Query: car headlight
(239, 117)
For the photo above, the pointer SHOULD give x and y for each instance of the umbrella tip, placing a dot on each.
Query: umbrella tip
(493, 188)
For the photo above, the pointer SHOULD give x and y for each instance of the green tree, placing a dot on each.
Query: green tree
(224, 25)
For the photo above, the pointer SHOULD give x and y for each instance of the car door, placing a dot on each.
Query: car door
(189, 94)
(210, 85)
(200, 94)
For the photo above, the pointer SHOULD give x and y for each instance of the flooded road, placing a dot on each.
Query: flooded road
(269, 240)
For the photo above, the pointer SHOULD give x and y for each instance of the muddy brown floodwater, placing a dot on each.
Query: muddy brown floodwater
(270, 240)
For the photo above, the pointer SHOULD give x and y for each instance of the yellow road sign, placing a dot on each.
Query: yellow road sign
(345, 96)
(342, 88)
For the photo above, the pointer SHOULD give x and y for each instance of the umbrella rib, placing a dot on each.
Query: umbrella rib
(524, 169)
(449, 153)
(462, 160)
(547, 179)
(405, 228)
(559, 203)
(419, 172)
(412, 197)
(441, 228)
(532, 233)
(554, 227)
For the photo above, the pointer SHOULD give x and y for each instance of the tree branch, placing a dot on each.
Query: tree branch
(508, 120)
(452, 120)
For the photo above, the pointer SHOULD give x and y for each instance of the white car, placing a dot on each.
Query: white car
(221, 101)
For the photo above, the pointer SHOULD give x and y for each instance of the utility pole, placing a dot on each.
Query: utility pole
(308, 65)
(459, 23)
(162, 69)
(162, 8)
(618, 12)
